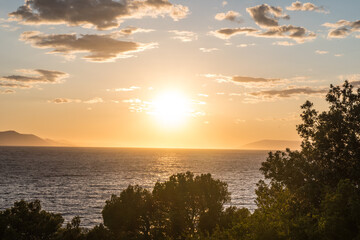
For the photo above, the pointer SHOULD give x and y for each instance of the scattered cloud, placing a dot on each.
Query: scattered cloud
(137, 105)
(338, 55)
(273, 95)
(29, 77)
(321, 52)
(64, 100)
(100, 48)
(342, 28)
(246, 45)
(70, 100)
(241, 79)
(184, 36)
(132, 30)
(37, 76)
(94, 100)
(208, 50)
(298, 34)
(284, 43)
(7, 91)
(230, 16)
(203, 95)
(354, 79)
(298, 6)
(132, 88)
(267, 16)
(226, 33)
(14, 85)
(224, 3)
(289, 117)
(245, 81)
(8, 27)
(102, 14)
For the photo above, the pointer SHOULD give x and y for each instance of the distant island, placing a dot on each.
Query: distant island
(268, 144)
(13, 138)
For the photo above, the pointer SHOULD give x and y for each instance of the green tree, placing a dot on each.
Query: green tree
(302, 196)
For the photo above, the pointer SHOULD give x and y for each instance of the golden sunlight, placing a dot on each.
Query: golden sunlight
(171, 108)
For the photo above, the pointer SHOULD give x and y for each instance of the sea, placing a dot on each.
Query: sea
(78, 181)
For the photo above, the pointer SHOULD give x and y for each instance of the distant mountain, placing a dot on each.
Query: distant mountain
(272, 145)
(13, 138)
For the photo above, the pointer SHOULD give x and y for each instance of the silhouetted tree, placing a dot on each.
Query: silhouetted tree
(130, 215)
(72, 231)
(99, 232)
(190, 204)
(306, 188)
(26, 221)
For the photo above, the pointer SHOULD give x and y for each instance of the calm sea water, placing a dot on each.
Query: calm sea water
(78, 181)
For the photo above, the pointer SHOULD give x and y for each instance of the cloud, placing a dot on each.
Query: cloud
(64, 100)
(338, 55)
(283, 43)
(354, 79)
(248, 82)
(7, 91)
(342, 28)
(226, 33)
(184, 36)
(131, 30)
(207, 50)
(246, 45)
(132, 88)
(8, 27)
(102, 14)
(30, 77)
(288, 93)
(37, 76)
(321, 52)
(70, 100)
(138, 105)
(94, 100)
(298, 6)
(230, 16)
(100, 48)
(241, 79)
(298, 34)
(14, 85)
(266, 16)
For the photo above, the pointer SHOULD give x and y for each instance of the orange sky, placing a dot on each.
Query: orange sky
(203, 74)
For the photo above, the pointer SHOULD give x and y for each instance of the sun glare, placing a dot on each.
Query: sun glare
(171, 109)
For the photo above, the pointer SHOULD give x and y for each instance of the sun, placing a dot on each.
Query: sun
(171, 108)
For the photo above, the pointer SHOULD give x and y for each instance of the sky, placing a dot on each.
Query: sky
(159, 73)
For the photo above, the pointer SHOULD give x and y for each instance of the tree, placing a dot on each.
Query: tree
(73, 231)
(190, 204)
(99, 232)
(130, 215)
(26, 221)
(305, 188)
